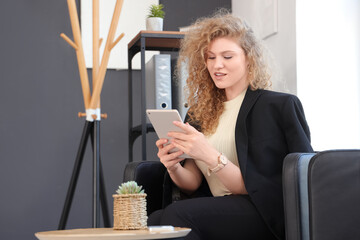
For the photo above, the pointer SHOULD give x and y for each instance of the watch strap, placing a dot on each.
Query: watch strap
(218, 167)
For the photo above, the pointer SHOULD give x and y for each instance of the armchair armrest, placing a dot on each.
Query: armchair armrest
(150, 175)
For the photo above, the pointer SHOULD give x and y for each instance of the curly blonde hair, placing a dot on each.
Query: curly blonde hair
(205, 99)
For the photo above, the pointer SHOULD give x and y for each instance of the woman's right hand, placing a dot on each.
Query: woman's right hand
(170, 160)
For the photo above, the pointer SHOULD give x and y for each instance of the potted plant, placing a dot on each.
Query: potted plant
(130, 207)
(155, 17)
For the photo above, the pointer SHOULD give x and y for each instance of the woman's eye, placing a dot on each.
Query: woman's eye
(227, 57)
(211, 57)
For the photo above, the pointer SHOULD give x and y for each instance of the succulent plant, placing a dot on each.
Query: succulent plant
(156, 10)
(130, 187)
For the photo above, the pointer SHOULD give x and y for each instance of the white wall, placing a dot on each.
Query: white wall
(328, 60)
(317, 49)
(282, 44)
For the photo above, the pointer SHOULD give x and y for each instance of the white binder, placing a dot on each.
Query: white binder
(158, 82)
(179, 100)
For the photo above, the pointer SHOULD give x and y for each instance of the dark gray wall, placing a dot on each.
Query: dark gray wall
(183, 13)
(40, 96)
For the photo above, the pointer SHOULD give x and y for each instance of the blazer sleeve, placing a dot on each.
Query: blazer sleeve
(296, 129)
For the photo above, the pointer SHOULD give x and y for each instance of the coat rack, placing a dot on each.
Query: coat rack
(92, 108)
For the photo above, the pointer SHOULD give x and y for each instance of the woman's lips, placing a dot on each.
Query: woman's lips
(219, 75)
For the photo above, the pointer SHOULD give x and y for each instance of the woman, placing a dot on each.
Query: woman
(237, 134)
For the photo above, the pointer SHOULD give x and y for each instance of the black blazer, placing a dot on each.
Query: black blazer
(270, 125)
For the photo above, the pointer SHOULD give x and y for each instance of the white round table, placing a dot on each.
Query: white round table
(111, 234)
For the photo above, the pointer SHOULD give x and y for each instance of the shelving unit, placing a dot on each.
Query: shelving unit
(146, 41)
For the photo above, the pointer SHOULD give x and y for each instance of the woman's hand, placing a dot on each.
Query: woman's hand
(193, 143)
(169, 160)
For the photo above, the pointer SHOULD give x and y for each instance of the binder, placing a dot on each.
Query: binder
(158, 82)
(179, 100)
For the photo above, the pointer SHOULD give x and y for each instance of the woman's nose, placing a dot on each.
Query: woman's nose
(218, 63)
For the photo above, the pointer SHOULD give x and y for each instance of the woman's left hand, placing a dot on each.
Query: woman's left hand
(193, 143)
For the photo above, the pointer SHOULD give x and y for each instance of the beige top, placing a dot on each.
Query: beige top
(224, 141)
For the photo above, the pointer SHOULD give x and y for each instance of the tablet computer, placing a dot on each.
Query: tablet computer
(162, 121)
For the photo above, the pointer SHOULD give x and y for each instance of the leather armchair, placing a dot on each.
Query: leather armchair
(321, 193)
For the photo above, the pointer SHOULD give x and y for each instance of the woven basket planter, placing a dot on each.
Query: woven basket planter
(130, 211)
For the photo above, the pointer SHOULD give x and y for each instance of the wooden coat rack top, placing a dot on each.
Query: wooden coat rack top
(92, 101)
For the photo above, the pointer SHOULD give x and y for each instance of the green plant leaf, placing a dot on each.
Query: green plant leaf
(130, 187)
(156, 10)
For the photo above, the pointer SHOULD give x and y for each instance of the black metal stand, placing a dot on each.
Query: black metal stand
(99, 194)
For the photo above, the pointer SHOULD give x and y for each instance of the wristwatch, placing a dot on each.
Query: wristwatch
(222, 161)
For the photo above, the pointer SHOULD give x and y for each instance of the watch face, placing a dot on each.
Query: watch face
(223, 159)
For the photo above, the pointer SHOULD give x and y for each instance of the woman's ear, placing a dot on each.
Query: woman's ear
(249, 67)
(248, 63)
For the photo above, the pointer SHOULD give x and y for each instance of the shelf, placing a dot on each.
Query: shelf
(146, 41)
(156, 41)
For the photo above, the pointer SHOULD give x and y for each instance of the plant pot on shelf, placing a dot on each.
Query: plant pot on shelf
(130, 211)
(154, 24)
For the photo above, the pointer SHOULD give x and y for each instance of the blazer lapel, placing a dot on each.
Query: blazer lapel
(241, 135)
